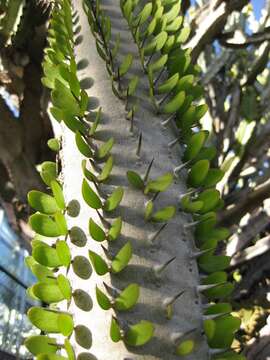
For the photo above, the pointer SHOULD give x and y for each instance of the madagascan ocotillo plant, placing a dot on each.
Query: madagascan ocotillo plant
(125, 237)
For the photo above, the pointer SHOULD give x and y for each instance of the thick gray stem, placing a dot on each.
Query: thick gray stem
(173, 241)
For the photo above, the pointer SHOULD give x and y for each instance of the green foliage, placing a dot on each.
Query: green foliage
(158, 31)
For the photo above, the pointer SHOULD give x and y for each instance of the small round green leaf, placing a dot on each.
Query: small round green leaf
(83, 336)
(54, 144)
(82, 300)
(77, 236)
(82, 267)
(73, 208)
(185, 348)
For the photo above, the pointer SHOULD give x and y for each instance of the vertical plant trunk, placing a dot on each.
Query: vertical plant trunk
(141, 297)
(173, 243)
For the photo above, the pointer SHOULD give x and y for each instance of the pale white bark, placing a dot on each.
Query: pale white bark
(182, 273)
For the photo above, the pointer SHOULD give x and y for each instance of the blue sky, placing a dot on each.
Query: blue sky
(257, 5)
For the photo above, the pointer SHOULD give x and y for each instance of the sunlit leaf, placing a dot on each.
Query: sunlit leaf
(114, 199)
(128, 297)
(139, 334)
(122, 258)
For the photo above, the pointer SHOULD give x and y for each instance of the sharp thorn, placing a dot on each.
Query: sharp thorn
(194, 223)
(132, 121)
(166, 122)
(197, 254)
(180, 167)
(103, 220)
(159, 268)
(159, 76)
(157, 233)
(110, 290)
(148, 170)
(138, 151)
(174, 142)
(171, 300)
(215, 316)
(176, 337)
(106, 252)
(189, 192)
(160, 102)
(201, 288)
(155, 196)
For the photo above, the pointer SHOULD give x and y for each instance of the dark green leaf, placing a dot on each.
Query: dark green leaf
(135, 179)
(98, 263)
(103, 300)
(198, 173)
(82, 267)
(115, 331)
(96, 231)
(90, 197)
(83, 336)
(82, 145)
